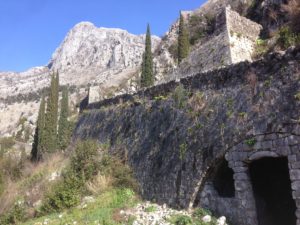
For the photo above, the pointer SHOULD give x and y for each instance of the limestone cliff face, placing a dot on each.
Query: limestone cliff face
(88, 52)
(87, 56)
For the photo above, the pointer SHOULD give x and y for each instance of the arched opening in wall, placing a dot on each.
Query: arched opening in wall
(272, 191)
(223, 181)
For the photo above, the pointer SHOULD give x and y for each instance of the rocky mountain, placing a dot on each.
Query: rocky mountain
(87, 56)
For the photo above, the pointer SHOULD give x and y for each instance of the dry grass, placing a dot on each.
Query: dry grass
(197, 102)
(293, 10)
(99, 184)
(33, 182)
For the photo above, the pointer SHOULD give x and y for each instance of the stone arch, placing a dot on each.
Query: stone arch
(239, 157)
(272, 146)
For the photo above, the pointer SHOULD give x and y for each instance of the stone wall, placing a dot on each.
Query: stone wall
(232, 42)
(173, 140)
(243, 34)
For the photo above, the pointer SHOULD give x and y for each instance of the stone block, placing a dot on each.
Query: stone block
(294, 165)
(292, 158)
(295, 174)
(292, 140)
(241, 185)
(242, 176)
(270, 137)
(296, 185)
(240, 169)
(284, 150)
(267, 144)
(295, 149)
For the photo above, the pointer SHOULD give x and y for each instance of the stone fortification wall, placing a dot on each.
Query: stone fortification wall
(232, 42)
(243, 34)
(174, 139)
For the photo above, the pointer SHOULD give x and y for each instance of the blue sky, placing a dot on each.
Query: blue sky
(32, 29)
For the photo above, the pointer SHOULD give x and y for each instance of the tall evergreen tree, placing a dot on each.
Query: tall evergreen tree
(38, 143)
(63, 123)
(51, 115)
(147, 76)
(183, 40)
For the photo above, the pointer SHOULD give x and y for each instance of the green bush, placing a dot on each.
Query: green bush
(85, 161)
(287, 38)
(181, 220)
(180, 96)
(200, 212)
(121, 173)
(65, 194)
(15, 215)
(6, 143)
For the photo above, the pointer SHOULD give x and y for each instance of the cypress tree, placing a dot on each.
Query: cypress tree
(51, 115)
(183, 40)
(38, 143)
(63, 123)
(147, 76)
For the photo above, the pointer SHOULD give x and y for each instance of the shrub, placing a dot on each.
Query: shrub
(65, 194)
(200, 212)
(173, 49)
(180, 96)
(6, 143)
(121, 174)
(11, 168)
(85, 161)
(287, 38)
(15, 215)
(181, 220)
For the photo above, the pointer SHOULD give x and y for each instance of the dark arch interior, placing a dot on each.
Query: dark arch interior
(272, 191)
(223, 180)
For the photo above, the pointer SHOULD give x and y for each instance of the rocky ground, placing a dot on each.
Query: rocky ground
(153, 214)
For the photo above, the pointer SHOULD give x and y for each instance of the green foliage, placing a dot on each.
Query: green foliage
(173, 49)
(251, 142)
(182, 150)
(85, 161)
(160, 98)
(84, 165)
(297, 96)
(15, 215)
(39, 136)
(101, 211)
(121, 173)
(150, 209)
(147, 76)
(287, 38)
(181, 220)
(6, 143)
(11, 168)
(64, 132)
(65, 194)
(2, 182)
(51, 115)
(183, 40)
(201, 212)
(180, 96)
(196, 30)
(261, 48)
